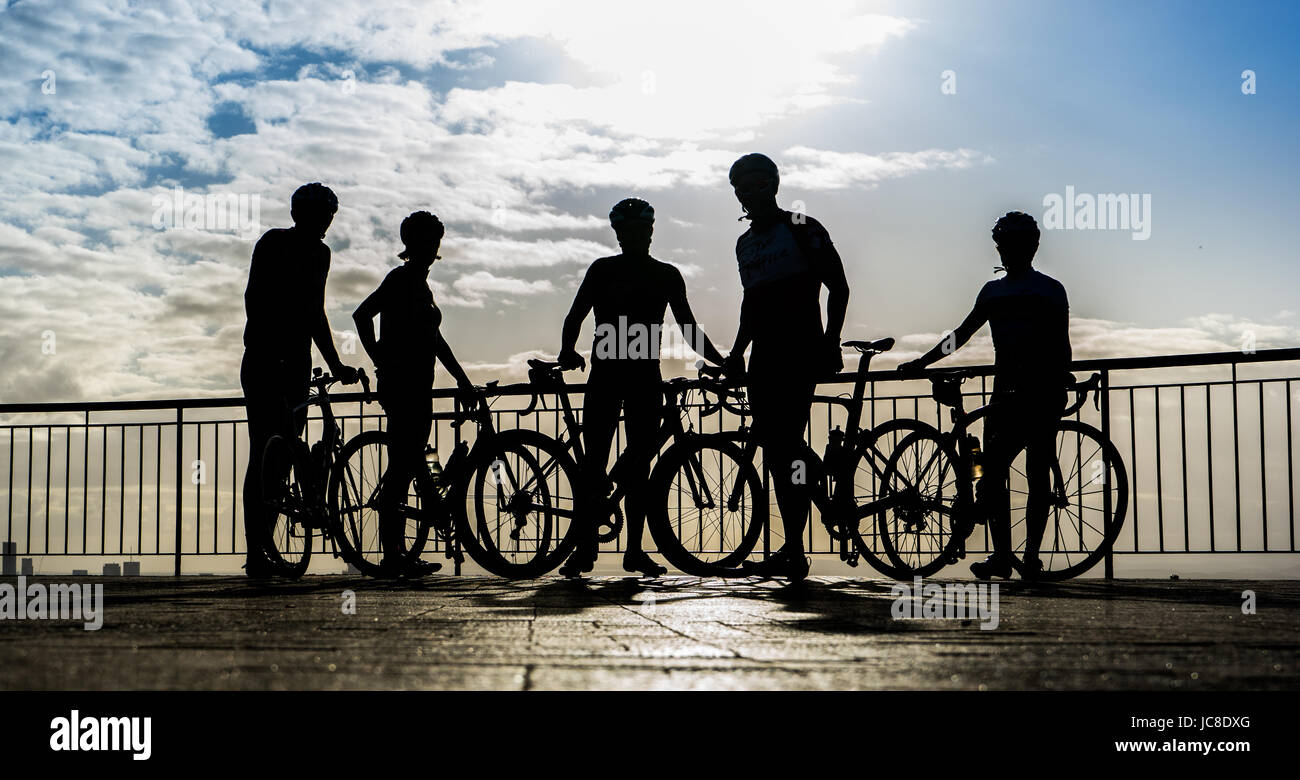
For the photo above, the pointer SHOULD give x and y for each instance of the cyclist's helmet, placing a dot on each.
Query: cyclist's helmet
(1015, 228)
(631, 211)
(420, 229)
(754, 162)
(314, 197)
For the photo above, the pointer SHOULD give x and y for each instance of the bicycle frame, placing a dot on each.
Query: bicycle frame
(545, 378)
(948, 392)
(835, 500)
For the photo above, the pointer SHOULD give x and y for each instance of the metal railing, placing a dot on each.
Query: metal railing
(1210, 454)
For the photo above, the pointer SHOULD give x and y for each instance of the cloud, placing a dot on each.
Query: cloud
(478, 288)
(818, 169)
(108, 107)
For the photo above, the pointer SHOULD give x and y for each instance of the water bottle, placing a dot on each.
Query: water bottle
(834, 448)
(976, 457)
(434, 465)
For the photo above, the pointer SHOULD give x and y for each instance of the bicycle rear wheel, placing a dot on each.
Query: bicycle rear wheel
(911, 463)
(1089, 501)
(514, 504)
(707, 506)
(355, 494)
(287, 493)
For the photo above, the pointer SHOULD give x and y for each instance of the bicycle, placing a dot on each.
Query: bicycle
(701, 525)
(492, 500)
(294, 479)
(602, 501)
(1083, 519)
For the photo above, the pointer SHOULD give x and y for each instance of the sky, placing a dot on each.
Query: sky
(905, 128)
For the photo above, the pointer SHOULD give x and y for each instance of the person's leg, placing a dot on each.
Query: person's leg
(1039, 454)
(268, 393)
(255, 511)
(992, 498)
(642, 414)
(780, 405)
(408, 431)
(787, 410)
(600, 408)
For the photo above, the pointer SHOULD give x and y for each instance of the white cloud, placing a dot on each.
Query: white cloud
(818, 169)
(656, 105)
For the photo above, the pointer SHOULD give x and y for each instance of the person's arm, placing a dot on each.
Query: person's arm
(442, 351)
(582, 305)
(691, 330)
(830, 269)
(735, 361)
(1063, 328)
(323, 335)
(364, 317)
(950, 343)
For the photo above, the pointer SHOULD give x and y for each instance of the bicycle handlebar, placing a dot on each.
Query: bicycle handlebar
(711, 379)
(1089, 385)
(945, 382)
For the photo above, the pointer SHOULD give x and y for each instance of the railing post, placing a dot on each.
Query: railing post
(180, 441)
(1107, 506)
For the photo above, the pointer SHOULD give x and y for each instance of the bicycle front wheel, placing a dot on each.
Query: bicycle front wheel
(1086, 509)
(905, 498)
(355, 501)
(708, 506)
(289, 499)
(514, 504)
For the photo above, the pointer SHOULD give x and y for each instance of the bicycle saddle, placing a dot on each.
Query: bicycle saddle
(879, 345)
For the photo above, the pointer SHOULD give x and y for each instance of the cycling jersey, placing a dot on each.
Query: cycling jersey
(285, 296)
(781, 271)
(1029, 316)
(408, 326)
(629, 297)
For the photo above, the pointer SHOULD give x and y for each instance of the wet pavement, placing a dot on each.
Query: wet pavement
(674, 633)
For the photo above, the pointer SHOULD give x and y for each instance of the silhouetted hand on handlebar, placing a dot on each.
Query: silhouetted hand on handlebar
(344, 374)
(569, 359)
(469, 395)
(911, 368)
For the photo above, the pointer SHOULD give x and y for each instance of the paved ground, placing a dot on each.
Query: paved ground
(614, 633)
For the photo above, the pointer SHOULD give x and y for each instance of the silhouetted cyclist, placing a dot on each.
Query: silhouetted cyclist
(1029, 316)
(785, 259)
(410, 342)
(629, 293)
(285, 304)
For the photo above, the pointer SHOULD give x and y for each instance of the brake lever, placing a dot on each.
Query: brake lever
(532, 405)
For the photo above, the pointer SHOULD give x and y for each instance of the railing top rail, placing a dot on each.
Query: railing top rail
(1096, 364)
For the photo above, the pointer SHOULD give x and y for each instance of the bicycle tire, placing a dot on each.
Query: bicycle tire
(932, 521)
(519, 480)
(285, 480)
(1105, 532)
(668, 535)
(354, 504)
